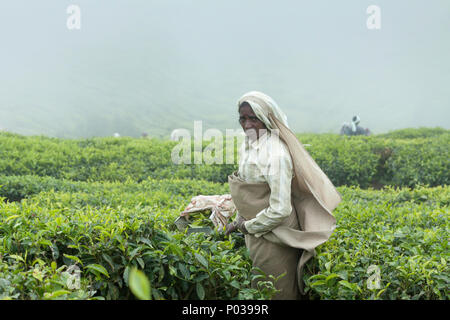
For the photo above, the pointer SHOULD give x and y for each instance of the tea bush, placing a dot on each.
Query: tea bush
(411, 133)
(420, 161)
(346, 160)
(107, 206)
(359, 161)
(38, 281)
(370, 161)
(110, 228)
(402, 233)
(107, 228)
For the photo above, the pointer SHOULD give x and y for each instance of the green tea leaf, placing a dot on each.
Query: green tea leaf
(141, 262)
(200, 291)
(184, 271)
(73, 258)
(14, 256)
(98, 268)
(45, 242)
(202, 260)
(126, 275)
(318, 283)
(347, 284)
(55, 294)
(11, 218)
(330, 278)
(139, 284)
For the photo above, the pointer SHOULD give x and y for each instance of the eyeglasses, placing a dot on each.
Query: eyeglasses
(251, 119)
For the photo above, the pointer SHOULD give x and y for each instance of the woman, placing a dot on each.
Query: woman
(284, 200)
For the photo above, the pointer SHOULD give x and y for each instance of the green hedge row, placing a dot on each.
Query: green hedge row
(413, 133)
(108, 228)
(359, 161)
(398, 236)
(374, 161)
(100, 159)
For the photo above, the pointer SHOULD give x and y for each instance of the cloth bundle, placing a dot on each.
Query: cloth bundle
(221, 206)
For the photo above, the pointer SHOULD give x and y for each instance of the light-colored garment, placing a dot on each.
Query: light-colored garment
(312, 193)
(355, 122)
(268, 160)
(221, 206)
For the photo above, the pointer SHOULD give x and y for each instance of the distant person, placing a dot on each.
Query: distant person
(284, 200)
(353, 129)
(144, 135)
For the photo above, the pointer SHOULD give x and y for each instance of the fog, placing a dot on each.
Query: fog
(139, 66)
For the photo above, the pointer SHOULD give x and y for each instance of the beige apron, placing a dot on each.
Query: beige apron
(287, 247)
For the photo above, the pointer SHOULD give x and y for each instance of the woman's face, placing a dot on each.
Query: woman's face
(252, 126)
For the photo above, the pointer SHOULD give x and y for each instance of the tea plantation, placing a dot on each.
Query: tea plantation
(93, 218)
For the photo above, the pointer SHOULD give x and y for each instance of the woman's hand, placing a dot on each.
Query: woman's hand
(238, 224)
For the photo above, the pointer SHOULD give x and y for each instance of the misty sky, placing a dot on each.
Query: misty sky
(142, 65)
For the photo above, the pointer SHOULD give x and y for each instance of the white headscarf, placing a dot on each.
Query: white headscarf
(260, 108)
(310, 177)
